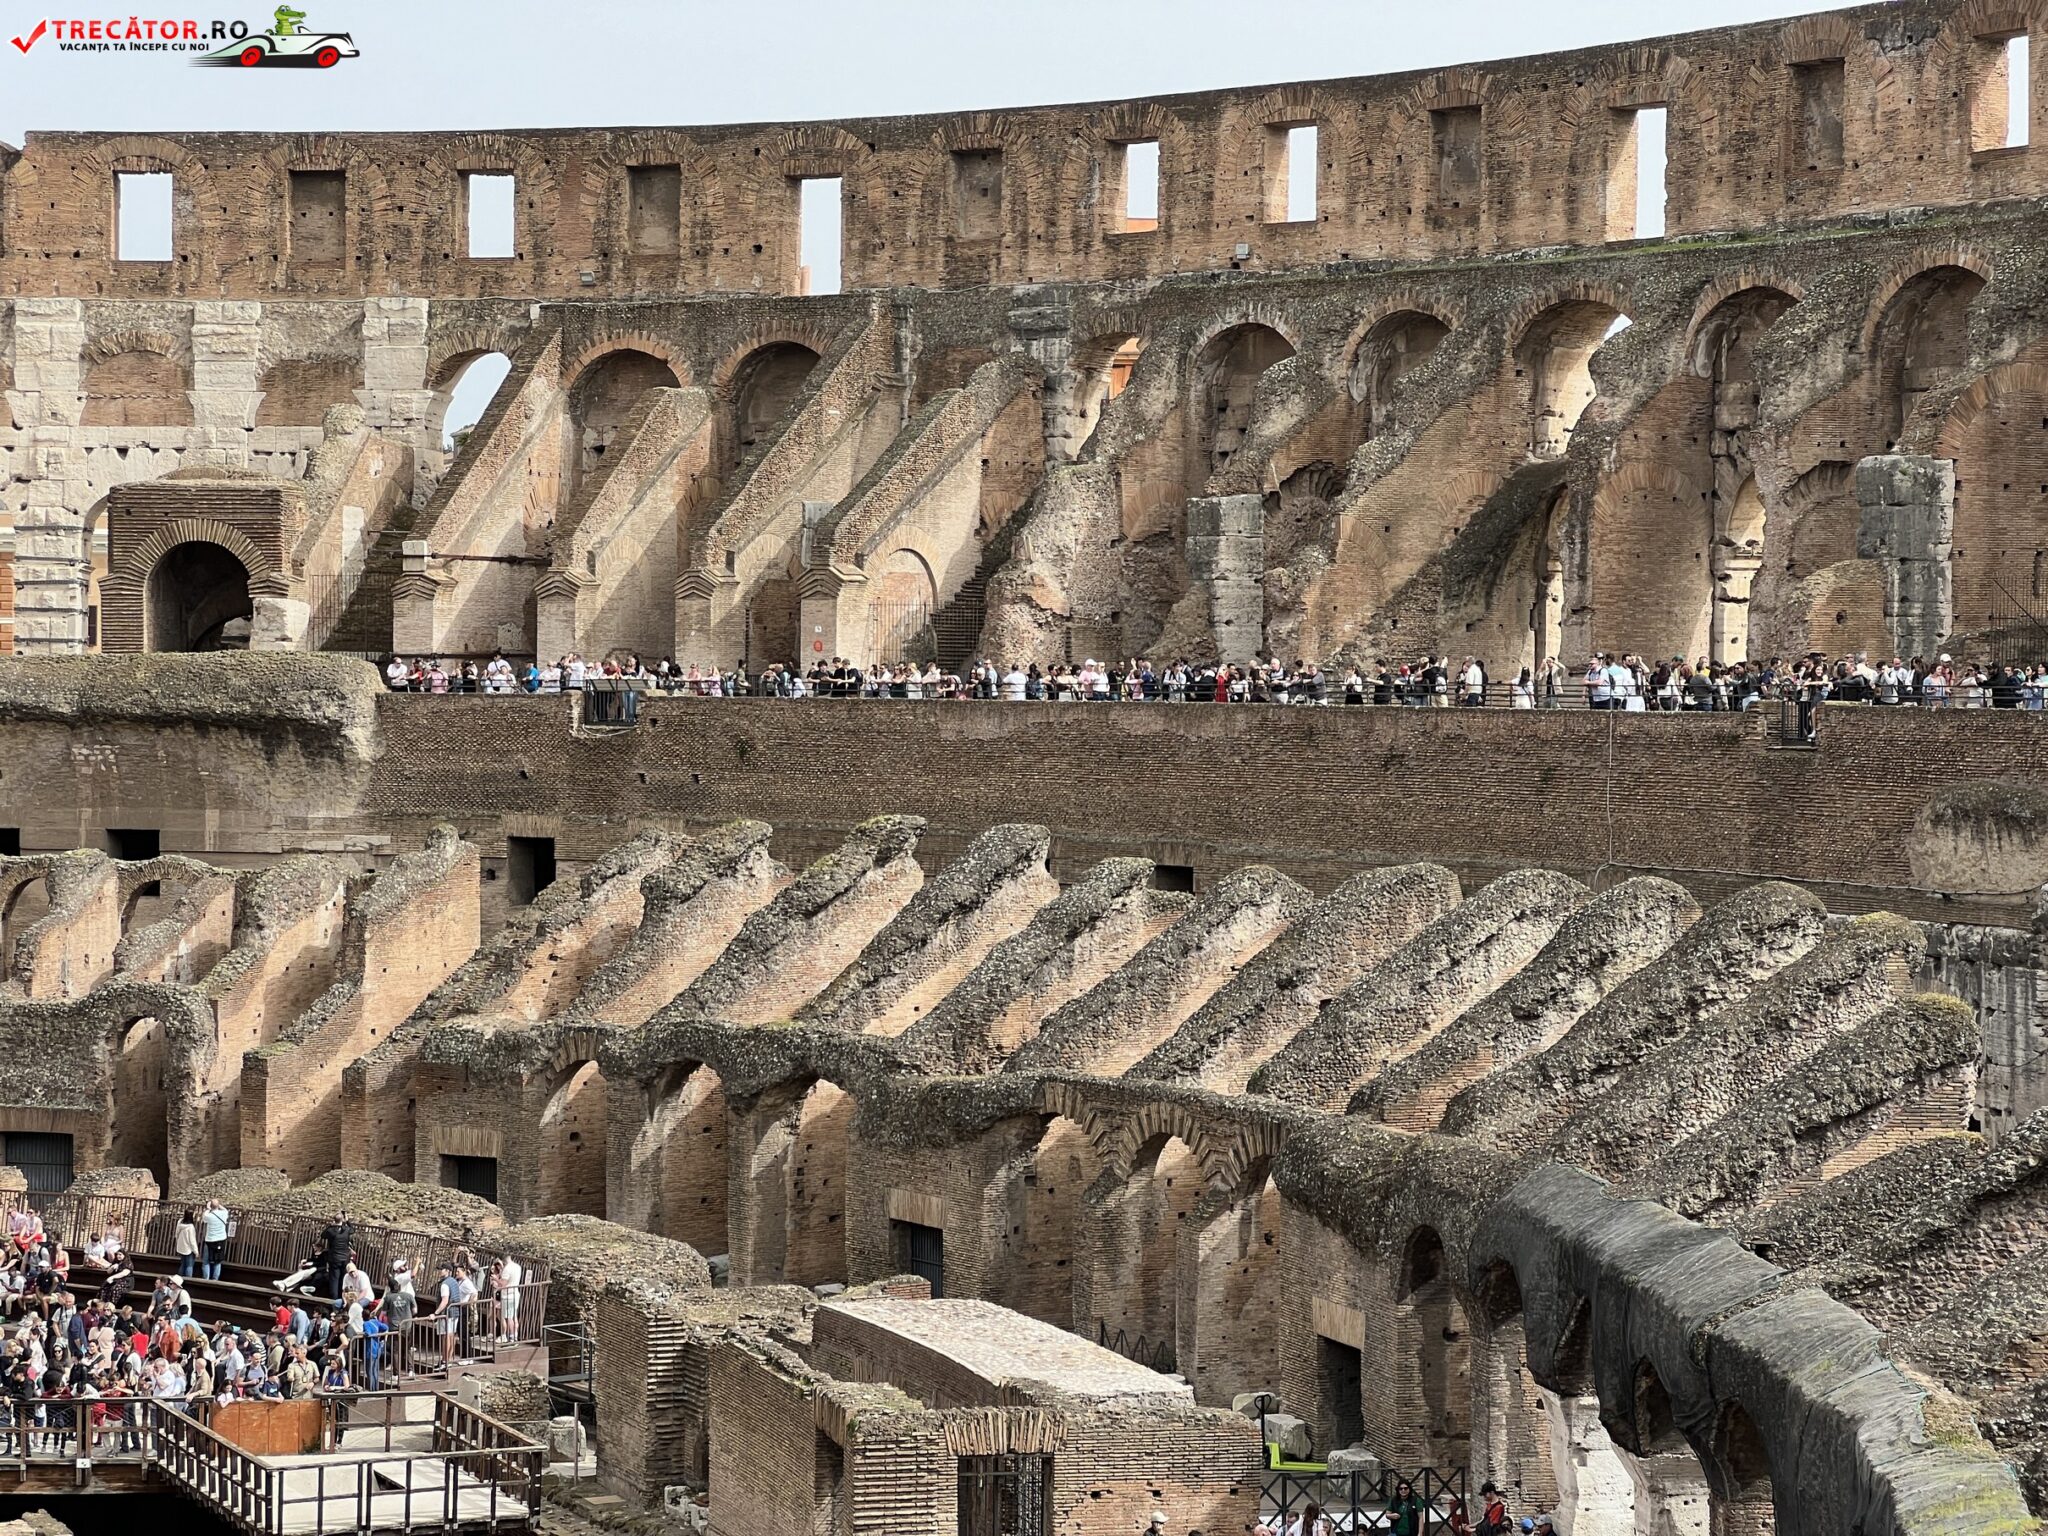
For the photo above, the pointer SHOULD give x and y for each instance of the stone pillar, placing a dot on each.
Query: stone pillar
(1227, 560)
(396, 393)
(278, 624)
(1596, 1495)
(1908, 518)
(50, 559)
(227, 338)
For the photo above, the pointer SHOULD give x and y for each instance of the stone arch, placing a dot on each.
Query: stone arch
(675, 1174)
(1811, 39)
(571, 1134)
(370, 203)
(196, 598)
(603, 393)
(140, 1122)
(1032, 1211)
(136, 379)
(1516, 1421)
(1922, 342)
(1917, 264)
(1995, 425)
(1731, 286)
(534, 189)
(902, 594)
(604, 192)
(1028, 192)
(1643, 74)
(24, 902)
(1430, 1311)
(762, 386)
(1227, 1315)
(445, 377)
(1740, 1481)
(1384, 353)
(1125, 1139)
(1555, 341)
(1226, 372)
(1648, 563)
(1138, 1210)
(1671, 1491)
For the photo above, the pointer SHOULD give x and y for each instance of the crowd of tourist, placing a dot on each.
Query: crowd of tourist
(1609, 681)
(80, 1346)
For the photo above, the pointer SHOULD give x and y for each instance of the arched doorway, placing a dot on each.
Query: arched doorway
(572, 1142)
(1724, 356)
(1102, 369)
(140, 1123)
(1923, 340)
(1030, 1207)
(1229, 1318)
(899, 615)
(1429, 1312)
(1512, 1416)
(764, 387)
(1392, 349)
(197, 599)
(1555, 356)
(463, 390)
(1227, 377)
(1671, 1494)
(677, 1158)
(1134, 1263)
(604, 395)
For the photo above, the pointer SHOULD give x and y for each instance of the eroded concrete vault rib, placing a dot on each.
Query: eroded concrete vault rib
(691, 909)
(417, 921)
(1738, 944)
(1277, 992)
(1104, 1031)
(1452, 964)
(1597, 948)
(527, 969)
(792, 948)
(976, 902)
(1074, 941)
(1849, 978)
(1906, 1074)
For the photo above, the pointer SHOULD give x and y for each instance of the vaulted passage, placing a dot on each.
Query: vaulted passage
(197, 599)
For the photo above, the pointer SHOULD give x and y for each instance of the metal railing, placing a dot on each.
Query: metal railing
(1364, 1501)
(478, 1473)
(276, 1245)
(1158, 1354)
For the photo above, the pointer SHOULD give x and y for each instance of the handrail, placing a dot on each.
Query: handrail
(257, 1491)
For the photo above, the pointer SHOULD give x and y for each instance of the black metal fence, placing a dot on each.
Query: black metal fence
(1367, 1501)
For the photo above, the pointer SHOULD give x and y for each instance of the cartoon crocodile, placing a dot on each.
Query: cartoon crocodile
(287, 21)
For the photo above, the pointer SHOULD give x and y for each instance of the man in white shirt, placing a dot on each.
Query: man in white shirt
(396, 673)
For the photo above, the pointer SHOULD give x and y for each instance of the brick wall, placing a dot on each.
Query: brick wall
(1547, 179)
(1704, 798)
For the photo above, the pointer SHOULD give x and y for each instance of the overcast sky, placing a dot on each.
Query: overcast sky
(429, 64)
(521, 63)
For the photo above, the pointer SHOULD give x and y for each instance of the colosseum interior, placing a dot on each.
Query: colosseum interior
(1643, 1113)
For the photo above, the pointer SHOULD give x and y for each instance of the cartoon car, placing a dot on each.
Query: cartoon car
(321, 50)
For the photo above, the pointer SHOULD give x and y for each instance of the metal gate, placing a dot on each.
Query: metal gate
(44, 1156)
(1005, 1496)
(921, 1250)
(898, 629)
(2017, 636)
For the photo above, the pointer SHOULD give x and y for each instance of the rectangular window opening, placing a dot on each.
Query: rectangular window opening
(1141, 186)
(821, 229)
(142, 216)
(319, 209)
(472, 1175)
(654, 209)
(134, 842)
(1340, 1373)
(529, 867)
(978, 194)
(1636, 175)
(2019, 66)
(10, 842)
(1455, 135)
(921, 1251)
(1301, 174)
(490, 200)
(1173, 877)
(1819, 95)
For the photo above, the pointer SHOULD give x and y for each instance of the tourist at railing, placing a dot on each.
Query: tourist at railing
(185, 1243)
(1622, 681)
(215, 1227)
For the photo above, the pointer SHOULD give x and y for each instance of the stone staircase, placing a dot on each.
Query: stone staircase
(956, 628)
